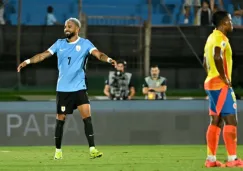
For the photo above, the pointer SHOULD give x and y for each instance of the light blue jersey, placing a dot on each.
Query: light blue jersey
(72, 59)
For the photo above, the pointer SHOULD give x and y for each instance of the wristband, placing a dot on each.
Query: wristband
(27, 61)
(109, 60)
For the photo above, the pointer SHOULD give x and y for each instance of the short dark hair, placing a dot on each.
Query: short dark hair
(49, 9)
(154, 66)
(121, 61)
(218, 17)
(205, 1)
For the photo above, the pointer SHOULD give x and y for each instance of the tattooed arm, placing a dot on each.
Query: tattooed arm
(103, 57)
(35, 59)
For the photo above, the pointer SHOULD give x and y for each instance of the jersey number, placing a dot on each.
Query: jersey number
(69, 60)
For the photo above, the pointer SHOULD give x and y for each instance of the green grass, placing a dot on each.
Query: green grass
(14, 95)
(116, 158)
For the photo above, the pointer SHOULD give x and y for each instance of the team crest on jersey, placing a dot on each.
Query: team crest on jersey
(78, 48)
(223, 44)
(234, 105)
(63, 108)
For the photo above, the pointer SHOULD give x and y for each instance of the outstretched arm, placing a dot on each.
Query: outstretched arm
(103, 57)
(35, 59)
(40, 57)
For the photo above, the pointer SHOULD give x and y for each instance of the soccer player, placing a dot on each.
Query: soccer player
(222, 101)
(72, 54)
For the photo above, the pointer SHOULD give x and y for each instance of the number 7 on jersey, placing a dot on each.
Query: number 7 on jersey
(69, 60)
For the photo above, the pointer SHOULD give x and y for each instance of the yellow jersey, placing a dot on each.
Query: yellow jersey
(213, 80)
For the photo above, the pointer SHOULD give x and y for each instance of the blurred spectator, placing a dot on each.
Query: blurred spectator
(188, 4)
(238, 7)
(1, 12)
(215, 8)
(212, 5)
(156, 4)
(204, 15)
(119, 85)
(238, 12)
(155, 86)
(9, 10)
(237, 19)
(50, 18)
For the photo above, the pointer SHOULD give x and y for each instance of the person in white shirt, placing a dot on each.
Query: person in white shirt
(50, 18)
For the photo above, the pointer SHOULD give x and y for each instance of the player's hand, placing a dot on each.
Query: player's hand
(22, 65)
(113, 62)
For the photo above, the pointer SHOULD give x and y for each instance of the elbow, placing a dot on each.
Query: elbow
(105, 92)
(164, 89)
(144, 91)
(132, 91)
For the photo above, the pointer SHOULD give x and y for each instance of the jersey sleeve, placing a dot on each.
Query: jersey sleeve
(221, 42)
(164, 83)
(90, 46)
(131, 84)
(145, 84)
(53, 49)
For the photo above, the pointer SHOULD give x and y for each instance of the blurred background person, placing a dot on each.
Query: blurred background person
(154, 86)
(204, 15)
(238, 6)
(2, 21)
(119, 85)
(237, 19)
(50, 17)
(238, 12)
(188, 4)
(215, 7)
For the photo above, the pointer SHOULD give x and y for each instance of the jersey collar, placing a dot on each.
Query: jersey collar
(74, 41)
(220, 33)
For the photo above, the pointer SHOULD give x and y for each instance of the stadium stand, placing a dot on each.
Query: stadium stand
(34, 12)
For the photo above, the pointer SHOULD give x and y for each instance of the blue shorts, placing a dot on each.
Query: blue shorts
(222, 102)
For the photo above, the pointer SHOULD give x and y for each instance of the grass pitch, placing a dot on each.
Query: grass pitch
(116, 158)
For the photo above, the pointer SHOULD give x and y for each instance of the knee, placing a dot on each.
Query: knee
(85, 114)
(217, 121)
(61, 117)
(230, 120)
(220, 123)
(87, 119)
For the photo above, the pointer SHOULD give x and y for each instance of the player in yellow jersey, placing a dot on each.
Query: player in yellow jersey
(222, 101)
